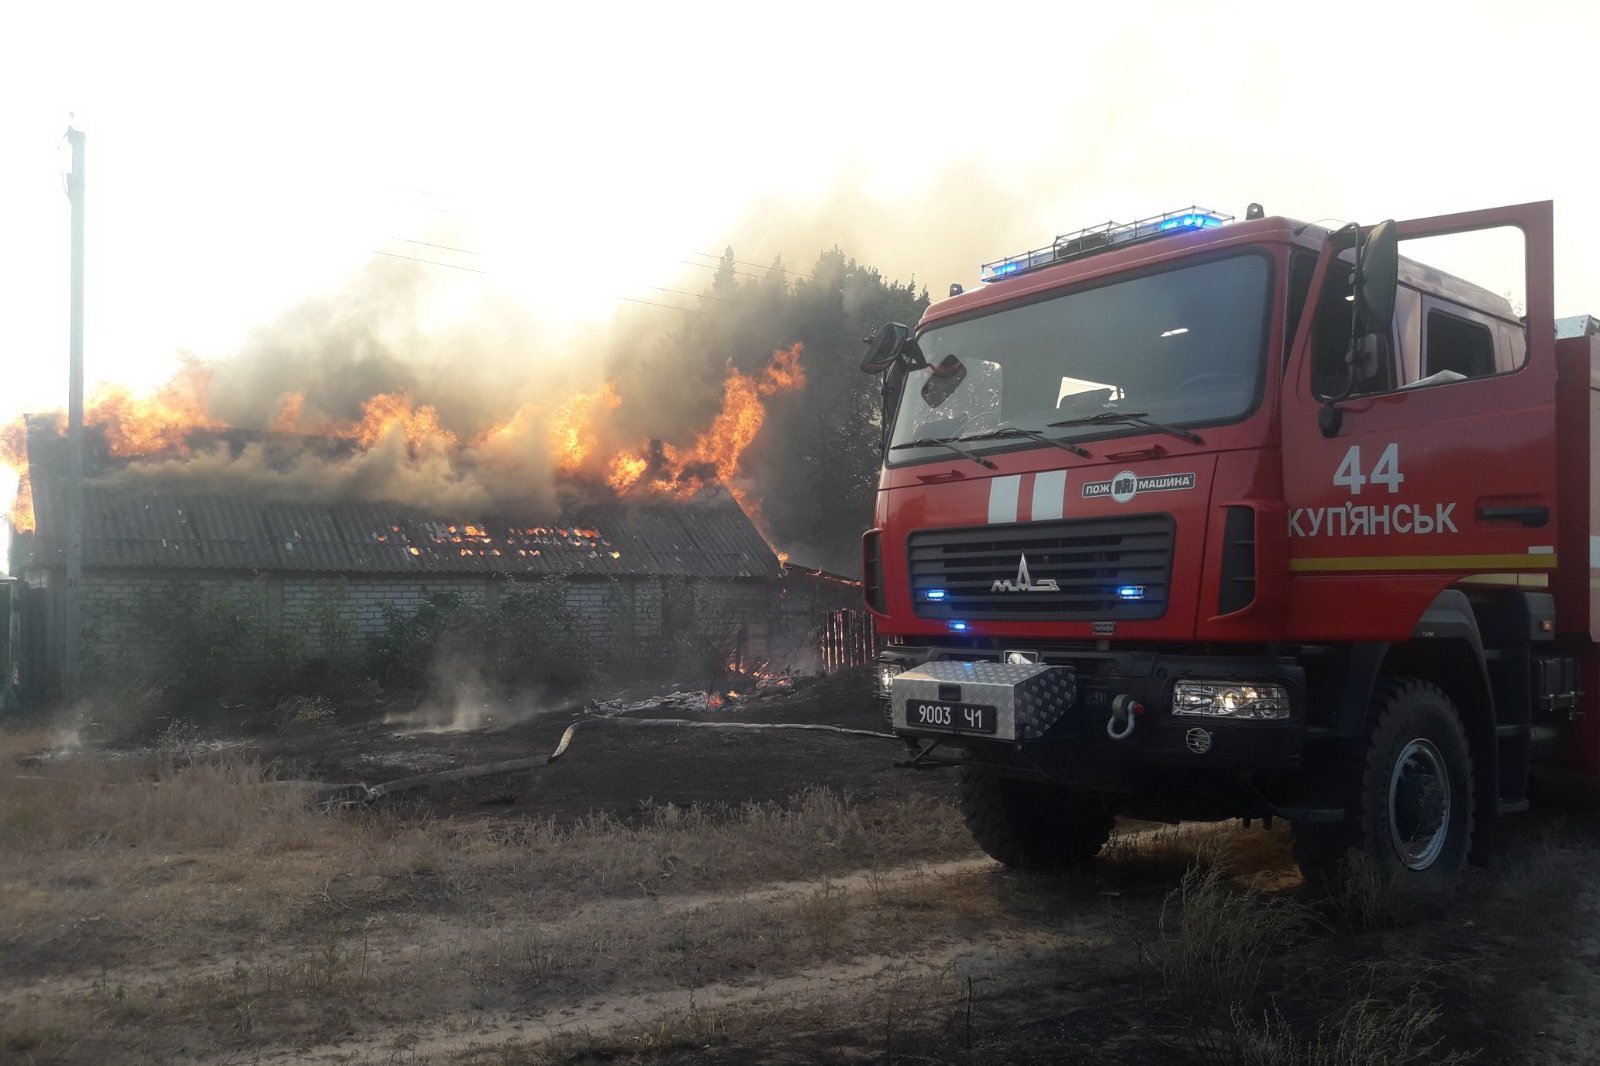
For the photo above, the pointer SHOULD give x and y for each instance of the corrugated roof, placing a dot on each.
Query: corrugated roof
(128, 528)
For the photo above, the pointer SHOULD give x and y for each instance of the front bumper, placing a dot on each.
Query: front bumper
(1117, 711)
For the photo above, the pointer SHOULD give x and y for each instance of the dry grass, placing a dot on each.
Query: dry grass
(183, 896)
(690, 849)
(691, 1030)
(1388, 1020)
(1218, 939)
(183, 899)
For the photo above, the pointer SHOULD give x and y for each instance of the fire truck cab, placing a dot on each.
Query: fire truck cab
(1195, 518)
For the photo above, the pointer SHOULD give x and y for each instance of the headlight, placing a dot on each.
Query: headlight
(886, 675)
(1230, 699)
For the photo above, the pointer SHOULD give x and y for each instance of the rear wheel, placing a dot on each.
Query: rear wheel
(1407, 796)
(1032, 825)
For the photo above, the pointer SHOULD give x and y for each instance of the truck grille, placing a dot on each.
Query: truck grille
(1104, 569)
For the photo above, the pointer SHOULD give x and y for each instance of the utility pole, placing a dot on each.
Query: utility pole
(72, 607)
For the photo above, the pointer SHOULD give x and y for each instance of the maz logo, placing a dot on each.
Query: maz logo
(1024, 583)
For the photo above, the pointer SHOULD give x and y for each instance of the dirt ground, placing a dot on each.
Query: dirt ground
(687, 896)
(609, 768)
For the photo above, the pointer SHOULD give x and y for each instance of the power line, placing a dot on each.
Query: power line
(430, 262)
(697, 295)
(758, 266)
(671, 307)
(718, 266)
(442, 247)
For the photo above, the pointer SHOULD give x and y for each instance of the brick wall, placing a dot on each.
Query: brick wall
(641, 619)
(135, 616)
(324, 610)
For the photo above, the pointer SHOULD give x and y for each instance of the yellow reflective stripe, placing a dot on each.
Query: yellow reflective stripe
(1426, 562)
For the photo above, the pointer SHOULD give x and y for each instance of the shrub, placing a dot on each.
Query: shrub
(529, 637)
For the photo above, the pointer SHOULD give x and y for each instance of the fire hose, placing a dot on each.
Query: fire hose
(350, 795)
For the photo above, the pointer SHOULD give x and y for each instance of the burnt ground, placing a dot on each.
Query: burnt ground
(739, 897)
(609, 768)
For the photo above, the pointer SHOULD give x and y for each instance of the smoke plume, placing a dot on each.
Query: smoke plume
(388, 391)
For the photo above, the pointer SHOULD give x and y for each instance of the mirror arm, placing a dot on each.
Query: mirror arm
(1330, 418)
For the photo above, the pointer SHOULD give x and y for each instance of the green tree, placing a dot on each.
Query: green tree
(814, 467)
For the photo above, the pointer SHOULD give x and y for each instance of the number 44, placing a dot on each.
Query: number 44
(1386, 472)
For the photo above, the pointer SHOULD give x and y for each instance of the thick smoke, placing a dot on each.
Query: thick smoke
(352, 396)
(406, 387)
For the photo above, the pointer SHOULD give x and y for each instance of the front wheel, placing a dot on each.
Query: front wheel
(1408, 797)
(1032, 825)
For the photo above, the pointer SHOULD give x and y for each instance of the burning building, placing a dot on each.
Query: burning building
(311, 524)
(631, 572)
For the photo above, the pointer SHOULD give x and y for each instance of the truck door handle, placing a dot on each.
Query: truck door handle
(1532, 517)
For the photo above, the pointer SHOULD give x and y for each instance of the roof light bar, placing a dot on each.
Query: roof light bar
(1093, 239)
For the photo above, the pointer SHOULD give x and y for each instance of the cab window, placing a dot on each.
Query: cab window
(1458, 345)
(1302, 265)
(1433, 342)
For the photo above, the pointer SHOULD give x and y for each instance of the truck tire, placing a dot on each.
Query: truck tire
(1032, 825)
(1407, 795)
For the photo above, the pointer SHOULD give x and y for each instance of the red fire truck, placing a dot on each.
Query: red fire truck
(1196, 518)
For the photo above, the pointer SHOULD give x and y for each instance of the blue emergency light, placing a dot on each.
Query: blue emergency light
(958, 627)
(1130, 592)
(1196, 221)
(1094, 239)
(935, 594)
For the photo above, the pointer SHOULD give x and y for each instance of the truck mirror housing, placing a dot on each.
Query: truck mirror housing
(1380, 273)
(884, 347)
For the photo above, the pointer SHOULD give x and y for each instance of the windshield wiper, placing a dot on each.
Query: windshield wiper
(946, 442)
(1034, 434)
(1135, 417)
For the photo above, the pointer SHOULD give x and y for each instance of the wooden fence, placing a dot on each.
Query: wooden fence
(848, 639)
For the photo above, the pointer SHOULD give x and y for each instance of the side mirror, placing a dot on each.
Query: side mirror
(884, 347)
(1380, 273)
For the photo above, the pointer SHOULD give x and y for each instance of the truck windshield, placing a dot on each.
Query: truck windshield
(1182, 348)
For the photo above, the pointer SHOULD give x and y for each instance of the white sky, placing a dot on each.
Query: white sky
(242, 157)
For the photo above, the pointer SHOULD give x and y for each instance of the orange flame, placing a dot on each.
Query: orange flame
(391, 413)
(503, 435)
(157, 423)
(132, 425)
(625, 471)
(14, 456)
(575, 432)
(718, 449)
(291, 410)
(572, 430)
(384, 415)
(22, 507)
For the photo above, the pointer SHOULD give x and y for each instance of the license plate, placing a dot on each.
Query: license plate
(955, 717)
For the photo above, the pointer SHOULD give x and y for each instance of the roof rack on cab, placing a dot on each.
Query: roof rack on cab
(1092, 239)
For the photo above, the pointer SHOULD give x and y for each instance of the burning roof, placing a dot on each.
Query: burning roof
(401, 448)
(707, 536)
